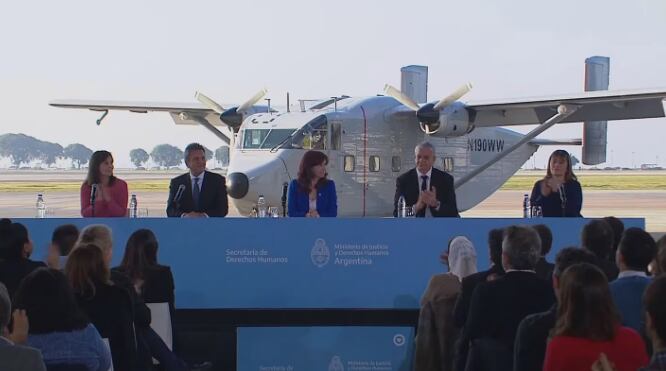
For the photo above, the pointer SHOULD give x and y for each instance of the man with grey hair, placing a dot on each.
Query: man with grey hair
(13, 356)
(498, 306)
(429, 190)
(199, 193)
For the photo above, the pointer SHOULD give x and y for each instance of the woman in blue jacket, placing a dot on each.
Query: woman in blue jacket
(312, 195)
(559, 193)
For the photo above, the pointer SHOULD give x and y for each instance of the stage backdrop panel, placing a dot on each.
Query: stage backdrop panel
(320, 348)
(306, 263)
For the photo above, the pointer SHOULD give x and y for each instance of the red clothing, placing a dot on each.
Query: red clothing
(567, 353)
(116, 207)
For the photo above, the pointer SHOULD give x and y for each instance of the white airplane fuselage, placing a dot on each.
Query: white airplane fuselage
(368, 147)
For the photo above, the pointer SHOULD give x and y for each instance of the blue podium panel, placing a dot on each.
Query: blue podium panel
(324, 348)
(306, 263)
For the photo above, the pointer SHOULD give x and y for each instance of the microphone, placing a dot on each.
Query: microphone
(93, 193)
(284, 198)
(563, 198)
(179, 193)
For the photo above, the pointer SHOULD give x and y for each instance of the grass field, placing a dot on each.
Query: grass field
(611, 182)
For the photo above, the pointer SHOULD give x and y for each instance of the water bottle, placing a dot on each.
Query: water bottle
(402, 207)
(41, 206)
(133, 207)
(262, 209)
(526, 206)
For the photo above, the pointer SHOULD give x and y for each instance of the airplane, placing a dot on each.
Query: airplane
(370, 140)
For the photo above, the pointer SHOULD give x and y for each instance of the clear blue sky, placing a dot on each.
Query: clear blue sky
(165, 50)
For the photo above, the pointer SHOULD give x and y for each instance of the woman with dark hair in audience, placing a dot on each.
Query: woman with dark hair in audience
(111, 193)
(58, 328)
(152, 281)
(658, 265)
(16, 248)
(558, 193)
(109, 307)
(588, 325)
(312, 195)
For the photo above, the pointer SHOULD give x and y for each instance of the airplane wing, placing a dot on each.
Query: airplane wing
(594, 106)
(181, 113)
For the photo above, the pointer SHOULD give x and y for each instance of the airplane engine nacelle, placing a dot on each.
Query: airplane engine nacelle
(453, 122)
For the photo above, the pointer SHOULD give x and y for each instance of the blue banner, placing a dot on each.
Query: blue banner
(306, 263)
(324, 348)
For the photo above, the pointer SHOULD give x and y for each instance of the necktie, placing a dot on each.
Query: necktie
(424, 184)
(195, 193)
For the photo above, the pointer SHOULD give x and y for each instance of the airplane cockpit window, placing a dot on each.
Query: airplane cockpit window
(263, 138)
(313, 135)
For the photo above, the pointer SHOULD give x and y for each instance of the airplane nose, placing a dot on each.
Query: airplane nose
(237, 185)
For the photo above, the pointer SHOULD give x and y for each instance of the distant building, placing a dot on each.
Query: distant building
(650, 167)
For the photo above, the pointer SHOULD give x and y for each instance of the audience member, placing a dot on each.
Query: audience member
(532, 336)
(437, 332)
(17, 248)
(544, 269)
(102, 193)
(58, 328)
(588, 325)
(109, 307)
(597, 236)
(498, 306)
(659, 262)
(618, 228)
(635, 252)
(63, 240)
(655, 307)
(13, 354)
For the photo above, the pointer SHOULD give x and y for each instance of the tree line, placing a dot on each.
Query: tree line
(24, 149)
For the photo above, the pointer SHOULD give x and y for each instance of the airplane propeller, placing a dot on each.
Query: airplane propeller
(427, 114)
(232, 116)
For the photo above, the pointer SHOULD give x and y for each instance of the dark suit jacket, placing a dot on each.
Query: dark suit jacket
(110, 310)
(407, 185)
(469, 283)
(498, 306)
(212, 198)
(530, 345)
(158, 286)
(544, 269)
(12, 272)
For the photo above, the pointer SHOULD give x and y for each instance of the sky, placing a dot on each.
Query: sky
(166, 50)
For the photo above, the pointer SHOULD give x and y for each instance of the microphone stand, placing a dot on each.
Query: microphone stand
(284, 199)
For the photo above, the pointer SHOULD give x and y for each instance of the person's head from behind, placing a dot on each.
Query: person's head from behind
(5, 310)
(64, 238)
(86, 269)
(140, 253)
(546, 237)
(618, 228)
(654, 302)
(16, 243)
(586, 308)
(636, 250)
(659, 262)
(521, 248)
(312, 169)
(100, 168)
(425, 156)
(99, 235)
(495, 238)
(49, 302)
(559, 165)
(195, 158)
(460, 257)
(597, 236)
(568, 257)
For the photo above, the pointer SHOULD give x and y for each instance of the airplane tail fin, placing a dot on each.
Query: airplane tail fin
(414, 82)
(594, 132)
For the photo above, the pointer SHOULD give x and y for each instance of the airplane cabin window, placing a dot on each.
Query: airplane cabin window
(349, 163)
(395, 163)
(374, 163)
(264, 138)
(447, 164)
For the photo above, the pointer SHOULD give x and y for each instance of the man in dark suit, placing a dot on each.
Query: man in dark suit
(498, 306)
(429, 190)
(532, 335)
(199, 193)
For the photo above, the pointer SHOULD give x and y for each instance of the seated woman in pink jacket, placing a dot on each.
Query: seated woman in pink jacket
(110, 195)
